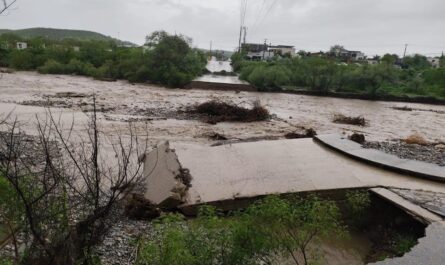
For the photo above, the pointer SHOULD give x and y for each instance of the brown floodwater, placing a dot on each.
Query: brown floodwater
(122, 101)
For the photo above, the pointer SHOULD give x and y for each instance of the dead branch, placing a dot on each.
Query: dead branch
(68, 186)
(6, 5)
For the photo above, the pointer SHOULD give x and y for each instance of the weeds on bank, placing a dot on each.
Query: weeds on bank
(266, 232)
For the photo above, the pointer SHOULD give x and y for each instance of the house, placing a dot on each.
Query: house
(316, 54)
(372, 61)
(254, 47)
(283, 50)
(22, 45)
(347, 55)
(434, 61)
(258, 52)
(76, 48)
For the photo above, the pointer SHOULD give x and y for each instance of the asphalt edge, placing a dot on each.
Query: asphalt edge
(388, 167)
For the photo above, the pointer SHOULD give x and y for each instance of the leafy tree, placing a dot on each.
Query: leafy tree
(320, 73)
(416, 62)
(336, 49)
(172, 61)
(390, 58)
(372, 77)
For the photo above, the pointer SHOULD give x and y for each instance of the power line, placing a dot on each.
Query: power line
(259, 14)
(267, 13)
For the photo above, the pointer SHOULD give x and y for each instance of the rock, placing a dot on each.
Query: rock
(311, 132)
(139, 208)
(358, 138)
(294, 135)
(440, 146)
(416, 139)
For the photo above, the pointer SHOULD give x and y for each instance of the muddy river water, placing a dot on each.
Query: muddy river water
(25, 93)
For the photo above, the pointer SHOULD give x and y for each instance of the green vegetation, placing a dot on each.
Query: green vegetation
(268, 231)
(167, 59)
(61, 34)
(322, 75)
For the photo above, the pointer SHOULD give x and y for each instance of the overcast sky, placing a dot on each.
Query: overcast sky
(373, 26)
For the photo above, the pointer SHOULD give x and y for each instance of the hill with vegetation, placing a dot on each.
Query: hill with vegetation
(60, 34)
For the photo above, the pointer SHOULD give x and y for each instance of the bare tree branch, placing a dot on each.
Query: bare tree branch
(68, 187)
(6, 5)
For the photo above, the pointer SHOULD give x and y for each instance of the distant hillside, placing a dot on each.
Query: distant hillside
(59, 34)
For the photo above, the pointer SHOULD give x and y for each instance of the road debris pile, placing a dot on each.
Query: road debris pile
(215, 111)
(309, 133)
(342, 119)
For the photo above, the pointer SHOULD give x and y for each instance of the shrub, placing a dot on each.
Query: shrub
(53, 67)
(270, 229)
(358, 203)
(21, 60)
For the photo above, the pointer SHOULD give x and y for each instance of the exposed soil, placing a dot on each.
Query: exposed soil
(387, 227)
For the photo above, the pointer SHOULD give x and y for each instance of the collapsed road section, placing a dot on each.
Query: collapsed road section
(186, 175)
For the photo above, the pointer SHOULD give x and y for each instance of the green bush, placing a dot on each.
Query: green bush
(271, 229)
(53, 67)
(172, 61)
(21, 60)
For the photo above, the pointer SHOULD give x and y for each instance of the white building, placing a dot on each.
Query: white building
(283, 50)
(434, 61)
(372, 61)
(261, 55)
(22, 45)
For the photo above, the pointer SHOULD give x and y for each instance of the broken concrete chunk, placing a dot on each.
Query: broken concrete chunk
(167, 181)
(139, 208)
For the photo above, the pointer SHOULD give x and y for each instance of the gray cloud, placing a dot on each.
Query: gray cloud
(374, 26)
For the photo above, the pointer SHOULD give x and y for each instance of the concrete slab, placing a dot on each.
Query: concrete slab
(378, 158)
(429, 250)
(432, 201)
(165, 187)
(245, 170)
(412, 209)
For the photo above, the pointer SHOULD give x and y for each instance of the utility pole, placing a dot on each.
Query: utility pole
(404, 53)
(240, 36)
(211, 49)
(264, 47)
(245, 34)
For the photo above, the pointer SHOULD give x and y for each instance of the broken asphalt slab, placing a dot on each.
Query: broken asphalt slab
(381, 159)
(235, 172)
